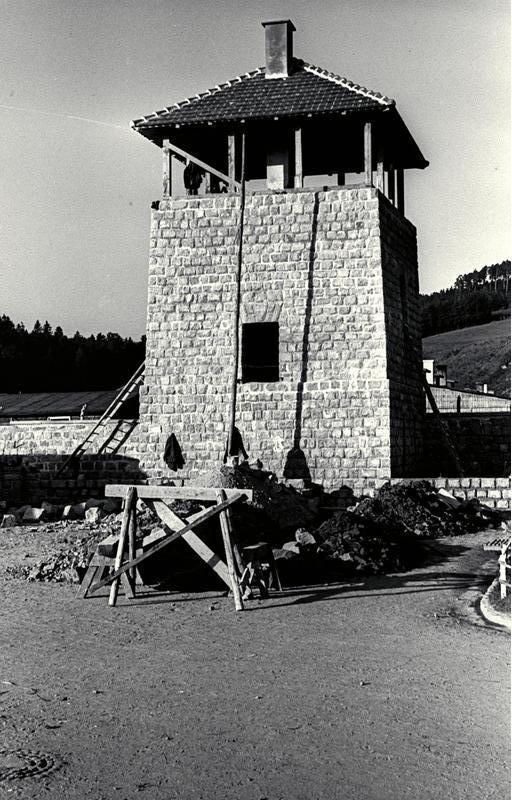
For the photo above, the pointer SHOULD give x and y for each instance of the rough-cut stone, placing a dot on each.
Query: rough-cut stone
(33, 515)
(79, 510)
(338, 271)
(94, 515)
(8, 521)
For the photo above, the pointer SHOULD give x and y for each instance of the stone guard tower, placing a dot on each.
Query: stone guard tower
(330, 370)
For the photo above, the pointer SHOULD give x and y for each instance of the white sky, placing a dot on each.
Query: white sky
(75, 196)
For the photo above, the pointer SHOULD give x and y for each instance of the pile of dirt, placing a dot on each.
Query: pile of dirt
(360, 546)
(417, 508)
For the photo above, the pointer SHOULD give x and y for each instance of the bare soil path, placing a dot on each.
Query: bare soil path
(387, 689)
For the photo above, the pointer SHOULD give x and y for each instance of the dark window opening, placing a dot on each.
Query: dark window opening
(260, 352)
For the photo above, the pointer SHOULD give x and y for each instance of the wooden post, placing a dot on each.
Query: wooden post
(231, 156)
(299, 174)
(400, 199)
(236, 320)
(208, 182)
(132, 533)
(380, 175)
(167, 172)
(341, 179)
(228, 546)
(391, 185)
(132, 493)
(502, 560)
(368, 172)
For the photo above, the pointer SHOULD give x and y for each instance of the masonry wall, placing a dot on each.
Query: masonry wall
(446, 400)
(403, 339)
(312, 263)
(482, 442)
(32, 452)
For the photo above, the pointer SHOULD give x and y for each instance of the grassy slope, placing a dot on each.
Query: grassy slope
(475, 355)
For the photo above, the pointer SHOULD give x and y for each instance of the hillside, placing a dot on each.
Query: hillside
(480, 354)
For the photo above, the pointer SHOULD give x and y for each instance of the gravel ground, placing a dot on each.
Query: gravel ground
(385, 689)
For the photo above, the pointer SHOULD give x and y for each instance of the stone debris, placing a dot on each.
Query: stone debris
(310, 536)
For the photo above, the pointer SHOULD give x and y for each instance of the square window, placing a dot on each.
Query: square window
(260, 352)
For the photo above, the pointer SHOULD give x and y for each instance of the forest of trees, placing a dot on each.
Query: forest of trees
(45, 360)
(470, 301)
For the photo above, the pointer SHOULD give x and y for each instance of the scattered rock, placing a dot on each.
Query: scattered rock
(8, 521)
(94, 515)
(304, 538)
(292, 547)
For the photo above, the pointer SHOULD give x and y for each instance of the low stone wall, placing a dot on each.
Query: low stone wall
(32, 452)
(470, 402)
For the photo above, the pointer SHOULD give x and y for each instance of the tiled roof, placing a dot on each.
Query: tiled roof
(307, 91)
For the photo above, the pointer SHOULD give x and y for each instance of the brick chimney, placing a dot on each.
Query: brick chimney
(278, 48)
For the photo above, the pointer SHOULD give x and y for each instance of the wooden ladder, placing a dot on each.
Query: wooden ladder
(120, 434)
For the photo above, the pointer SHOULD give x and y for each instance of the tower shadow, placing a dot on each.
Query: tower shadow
(296, 465)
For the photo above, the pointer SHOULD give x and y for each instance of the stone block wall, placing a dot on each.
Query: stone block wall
(482, 442)
(403, 339)
(32, 452)
(446, 400)
(314, 263)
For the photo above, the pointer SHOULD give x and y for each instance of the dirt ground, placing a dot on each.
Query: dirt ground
(389, 688)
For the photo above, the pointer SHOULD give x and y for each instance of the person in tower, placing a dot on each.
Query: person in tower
(192, 177)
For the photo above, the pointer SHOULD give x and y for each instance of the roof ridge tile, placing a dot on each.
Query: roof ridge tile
(348, 84)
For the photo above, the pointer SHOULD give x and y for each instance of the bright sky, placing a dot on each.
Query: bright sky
(75, 196)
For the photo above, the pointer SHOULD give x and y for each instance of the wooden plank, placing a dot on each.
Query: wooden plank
(174, 523)
(202, 164)
(128, 503)
(400, 198)
(299, 174)
(231, 158)
(166, 173)
(368, 172)
(87, 580)
(166, 493)
(228, 546)
(208, 514)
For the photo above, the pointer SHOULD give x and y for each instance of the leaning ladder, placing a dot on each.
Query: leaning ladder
(123, 395)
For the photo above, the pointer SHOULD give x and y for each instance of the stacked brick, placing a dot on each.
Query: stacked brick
(322, 265)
